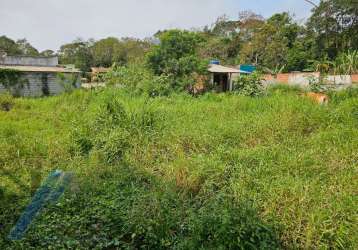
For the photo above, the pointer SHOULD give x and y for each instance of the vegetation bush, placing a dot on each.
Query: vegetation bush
(67, 81)
(347, 63)
(136, 79)
(176, 53)
(327, 41)
(177, 57)
(214, 172)
(249, 85)
(316, 85)
(6, 102)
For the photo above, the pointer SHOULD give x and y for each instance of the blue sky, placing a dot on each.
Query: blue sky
(50, 23)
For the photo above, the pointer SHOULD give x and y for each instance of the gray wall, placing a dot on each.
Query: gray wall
(37, 84)
(29, 61)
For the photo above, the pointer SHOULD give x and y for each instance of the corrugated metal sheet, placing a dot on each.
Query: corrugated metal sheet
(248, 68)
(213, 68)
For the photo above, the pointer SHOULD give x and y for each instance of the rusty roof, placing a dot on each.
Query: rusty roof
(40, 69)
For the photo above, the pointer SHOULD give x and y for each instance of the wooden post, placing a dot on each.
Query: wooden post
(230, 82)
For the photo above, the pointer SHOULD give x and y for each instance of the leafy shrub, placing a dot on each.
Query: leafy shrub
(131, 209)
(224, 224)
(347, 63)
(249, 85)
(67, 81)
(137, 80)
(157, 86)
(6, 102)
(177, 57)
(128, 77)
(316, 85)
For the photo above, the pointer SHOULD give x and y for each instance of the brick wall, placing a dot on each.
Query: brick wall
(354, 78)
(283, 78)
(268, 77)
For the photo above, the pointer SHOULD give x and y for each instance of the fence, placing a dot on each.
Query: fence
(302, 79)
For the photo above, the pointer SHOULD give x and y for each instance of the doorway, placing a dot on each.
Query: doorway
(221, 82)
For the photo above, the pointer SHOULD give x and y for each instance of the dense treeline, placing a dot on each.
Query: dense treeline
(84, 54)
(278, 43)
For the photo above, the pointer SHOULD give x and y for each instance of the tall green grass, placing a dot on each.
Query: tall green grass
(214, 172)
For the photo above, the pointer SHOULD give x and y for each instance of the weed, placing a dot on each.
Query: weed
(176, 172)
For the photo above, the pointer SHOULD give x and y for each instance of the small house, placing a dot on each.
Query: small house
(222, 78)
(36, 76)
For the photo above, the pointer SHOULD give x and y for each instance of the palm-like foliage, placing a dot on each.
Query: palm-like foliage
(274, 71)
(323, 66)
(347, 63)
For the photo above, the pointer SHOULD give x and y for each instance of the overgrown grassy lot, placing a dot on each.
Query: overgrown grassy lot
(214, 172)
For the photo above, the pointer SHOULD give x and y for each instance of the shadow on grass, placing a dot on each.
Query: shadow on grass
(132, 209)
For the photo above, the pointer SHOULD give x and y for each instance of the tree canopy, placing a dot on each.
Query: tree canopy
(329, 35)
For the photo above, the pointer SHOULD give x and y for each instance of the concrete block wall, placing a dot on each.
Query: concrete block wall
(339, 79)
(303, 79)
(283, 78)
(36, 84)
(29, 61)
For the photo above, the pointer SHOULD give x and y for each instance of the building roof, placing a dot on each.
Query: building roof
(100, 70)
(214, 68)
(40, 69)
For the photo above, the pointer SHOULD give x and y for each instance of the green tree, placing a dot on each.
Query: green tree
(111, 50)
(334, 27)
(135, 49)
(177, 54)
(9, 46)
(298, 57)
(222, 40)
(107, 51)
(267, 48)
(26, 48)
(77, 53)
(274, 43)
